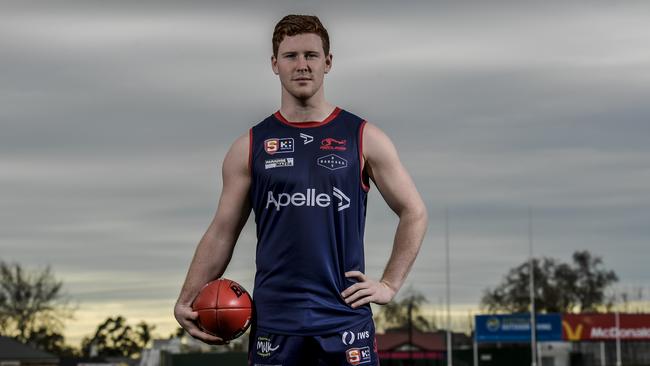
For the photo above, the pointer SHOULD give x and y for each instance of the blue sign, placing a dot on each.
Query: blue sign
(516, 327)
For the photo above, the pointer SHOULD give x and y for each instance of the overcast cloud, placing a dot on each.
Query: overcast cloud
(115, 118)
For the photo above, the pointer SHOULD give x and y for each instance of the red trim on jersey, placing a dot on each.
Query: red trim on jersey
(366, 187)
(250, 152)
(327, 120)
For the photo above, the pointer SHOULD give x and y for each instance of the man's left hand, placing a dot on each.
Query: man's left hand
(366, 291)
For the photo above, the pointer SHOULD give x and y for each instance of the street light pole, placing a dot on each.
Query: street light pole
(410, 309)
(450, 361)
(531, 265)
(618, 338)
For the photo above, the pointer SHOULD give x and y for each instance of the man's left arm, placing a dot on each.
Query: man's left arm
(384, 167)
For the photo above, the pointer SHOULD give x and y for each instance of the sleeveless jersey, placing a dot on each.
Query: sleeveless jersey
(309, 197)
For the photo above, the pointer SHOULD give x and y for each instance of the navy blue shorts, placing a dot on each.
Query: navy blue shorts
(354, 346)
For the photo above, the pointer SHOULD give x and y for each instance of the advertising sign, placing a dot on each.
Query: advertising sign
(600, 327)
(516, 327)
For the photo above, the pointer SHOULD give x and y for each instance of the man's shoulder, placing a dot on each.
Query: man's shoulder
(264, 122)
(347, 113)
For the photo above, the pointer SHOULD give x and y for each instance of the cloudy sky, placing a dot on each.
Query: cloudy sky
(115, 118)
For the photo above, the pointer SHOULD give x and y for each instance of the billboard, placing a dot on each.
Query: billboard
(602, 327)
(516, 327)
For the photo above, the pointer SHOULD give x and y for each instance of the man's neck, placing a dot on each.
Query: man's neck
(313, 109)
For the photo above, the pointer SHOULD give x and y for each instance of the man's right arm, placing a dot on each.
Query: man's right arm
(215, 249)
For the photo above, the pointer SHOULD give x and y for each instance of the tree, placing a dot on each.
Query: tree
(114, 338)
(178, 333)
(52, 342)
(559, 287)
(395, 314)
(32, 307)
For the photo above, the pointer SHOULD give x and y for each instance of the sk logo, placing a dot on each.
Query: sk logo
(356, 356)
(572, 334)
(278, 145)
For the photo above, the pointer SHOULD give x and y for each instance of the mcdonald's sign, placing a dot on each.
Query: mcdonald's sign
(601, 327)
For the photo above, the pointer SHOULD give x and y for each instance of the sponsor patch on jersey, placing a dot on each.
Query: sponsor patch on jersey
(278, 145)
(278, 163)
(357, 356)
(332, 162)
(306, 138)
(265, 347)
(309, 199)
(330, 143)
(349, 337)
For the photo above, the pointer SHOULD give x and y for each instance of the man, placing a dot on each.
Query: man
(305, 172)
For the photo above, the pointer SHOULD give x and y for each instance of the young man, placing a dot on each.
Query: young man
(305, 172)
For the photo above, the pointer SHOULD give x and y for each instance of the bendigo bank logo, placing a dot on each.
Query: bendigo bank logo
(493, 324)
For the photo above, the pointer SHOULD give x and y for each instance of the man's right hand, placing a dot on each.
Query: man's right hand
(188, 320)
(217, 244)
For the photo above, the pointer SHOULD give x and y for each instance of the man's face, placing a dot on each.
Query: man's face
(301, 64)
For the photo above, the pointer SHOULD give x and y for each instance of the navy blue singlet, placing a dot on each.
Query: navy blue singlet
(309, 197)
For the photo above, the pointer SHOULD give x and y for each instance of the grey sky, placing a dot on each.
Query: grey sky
(116, 117)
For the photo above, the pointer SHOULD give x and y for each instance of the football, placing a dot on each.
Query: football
(225, 309)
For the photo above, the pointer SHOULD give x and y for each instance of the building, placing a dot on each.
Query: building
(14, 353)
(428, 348)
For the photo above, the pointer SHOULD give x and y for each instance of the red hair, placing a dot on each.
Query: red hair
(293, 24)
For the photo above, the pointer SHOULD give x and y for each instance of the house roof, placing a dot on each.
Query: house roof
(429, 341)
(11, 349)
(424, 341)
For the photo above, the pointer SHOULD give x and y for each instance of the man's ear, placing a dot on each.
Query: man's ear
(328, 63)
(274, 65)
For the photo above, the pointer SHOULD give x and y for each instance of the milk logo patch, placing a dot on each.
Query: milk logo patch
(278, 145)
(332, 162)
(306, 138)
(278, 163)
(265, 347)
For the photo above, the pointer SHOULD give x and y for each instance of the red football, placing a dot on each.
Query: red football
(224, 309)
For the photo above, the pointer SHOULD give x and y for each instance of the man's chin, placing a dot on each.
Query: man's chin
(302, 94)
